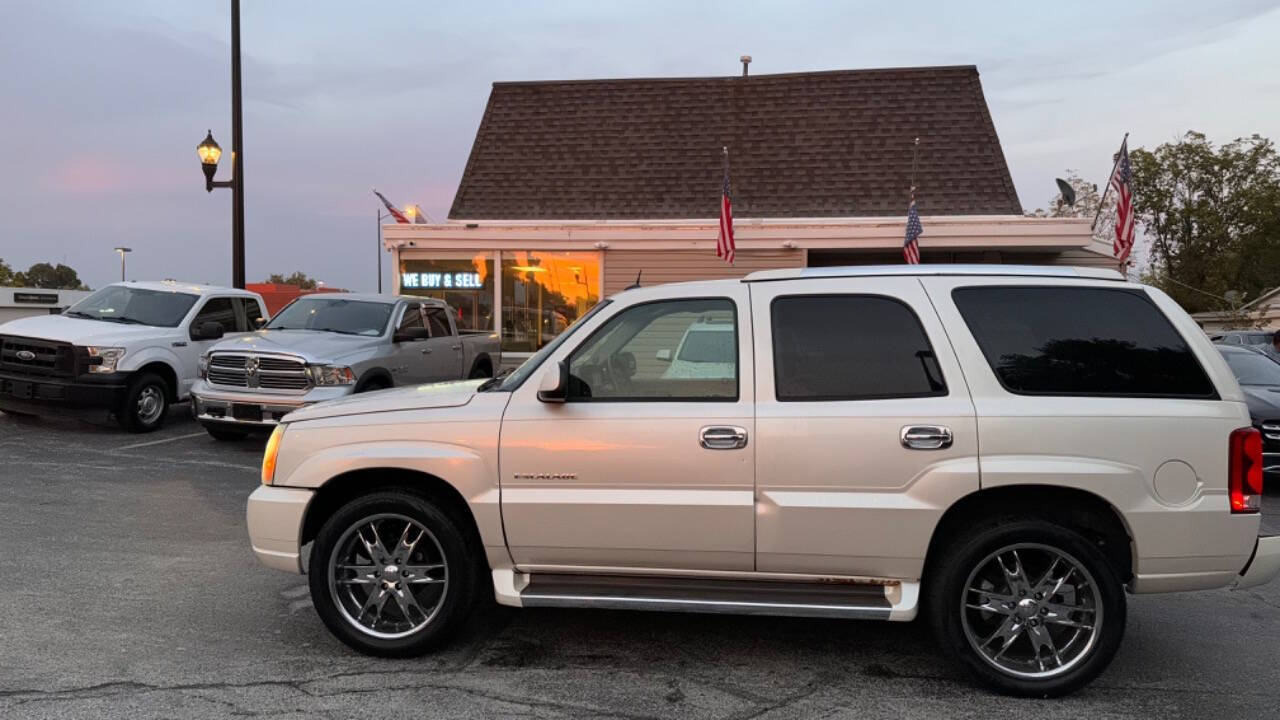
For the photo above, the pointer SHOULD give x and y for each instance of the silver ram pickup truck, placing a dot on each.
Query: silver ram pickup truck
(322, 347)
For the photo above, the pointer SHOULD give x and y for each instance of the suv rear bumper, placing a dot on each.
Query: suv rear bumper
(212, 405)
(61, 396)
(275, 516)
(1263, 566)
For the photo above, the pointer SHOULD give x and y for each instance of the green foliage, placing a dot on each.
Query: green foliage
(49, 277)
(1088, 200)
(6, 274)
(298, 278)
(1212, 216)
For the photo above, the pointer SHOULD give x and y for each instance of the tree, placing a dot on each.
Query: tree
(6, 274)
(298, 278)
(1213, 218)
(1088, 199)
(49, 277)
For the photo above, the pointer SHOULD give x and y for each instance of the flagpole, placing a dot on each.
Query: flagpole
(915, 155)
(378, 220)
(1107, 189)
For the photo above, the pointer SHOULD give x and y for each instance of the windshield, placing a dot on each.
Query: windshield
(1253, 369)
(134, 306)
(522, 373)
(334, 314)
(709, 346)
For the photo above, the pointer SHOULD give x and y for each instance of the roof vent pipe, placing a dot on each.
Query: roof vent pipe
(746, 60)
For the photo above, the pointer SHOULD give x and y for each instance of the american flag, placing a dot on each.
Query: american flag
(724, 243)
(911, 245)
(395, 213)
(1122, 183)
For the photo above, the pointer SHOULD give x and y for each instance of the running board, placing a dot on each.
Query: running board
(861, 601)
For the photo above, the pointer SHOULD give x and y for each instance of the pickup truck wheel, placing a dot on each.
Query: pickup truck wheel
(1031, 608)
(481, 370)
(392, 575)
(146, 402)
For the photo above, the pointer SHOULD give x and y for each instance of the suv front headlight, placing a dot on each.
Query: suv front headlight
(104, 359)
(332, 375)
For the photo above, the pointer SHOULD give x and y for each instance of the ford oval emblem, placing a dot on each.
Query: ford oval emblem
(26, 355)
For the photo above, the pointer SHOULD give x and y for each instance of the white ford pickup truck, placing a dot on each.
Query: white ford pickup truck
(128, 350)
(1007, 451)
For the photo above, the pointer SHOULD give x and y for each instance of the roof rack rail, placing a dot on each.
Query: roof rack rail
(1055, 271)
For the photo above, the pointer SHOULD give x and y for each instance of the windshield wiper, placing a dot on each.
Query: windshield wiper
(129, 321)
(494, 381)
(336, 330)
(81, 313)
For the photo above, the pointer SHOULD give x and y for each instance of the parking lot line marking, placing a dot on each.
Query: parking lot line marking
(160, 442)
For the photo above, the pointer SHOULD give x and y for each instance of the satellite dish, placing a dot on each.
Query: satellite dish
(1068, 192)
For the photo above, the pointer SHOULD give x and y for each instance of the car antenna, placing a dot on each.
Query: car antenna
(636, 284)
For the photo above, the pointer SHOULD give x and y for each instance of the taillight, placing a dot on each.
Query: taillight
(1244, 470)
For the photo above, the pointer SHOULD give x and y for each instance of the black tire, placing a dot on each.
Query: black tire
(947, 582)
(136, 413)
(455, 601)
(375, 383)
(225, 434)
(481, 370)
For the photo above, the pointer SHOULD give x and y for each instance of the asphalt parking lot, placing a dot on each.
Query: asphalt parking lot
(127, 589)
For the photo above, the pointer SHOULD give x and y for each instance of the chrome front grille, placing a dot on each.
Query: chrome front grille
(247, 370)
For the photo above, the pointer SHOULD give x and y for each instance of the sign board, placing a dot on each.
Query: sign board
(36, 298)
(438, 280)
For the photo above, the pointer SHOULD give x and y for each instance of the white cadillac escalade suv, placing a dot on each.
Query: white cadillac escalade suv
(1008, 451)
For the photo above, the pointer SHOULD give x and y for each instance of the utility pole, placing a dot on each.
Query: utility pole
(237, 156)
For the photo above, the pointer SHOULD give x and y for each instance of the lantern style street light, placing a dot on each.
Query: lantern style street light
(210, 152)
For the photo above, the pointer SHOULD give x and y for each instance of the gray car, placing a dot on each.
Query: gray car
(322, 347)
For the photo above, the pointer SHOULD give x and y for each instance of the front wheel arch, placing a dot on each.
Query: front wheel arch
(375, 379)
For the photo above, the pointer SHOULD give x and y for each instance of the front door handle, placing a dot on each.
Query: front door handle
(722, 437)
(926, 437)
(456, 347)
(426, 351)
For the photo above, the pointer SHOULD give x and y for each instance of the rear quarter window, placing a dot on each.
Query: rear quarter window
(1081, 341)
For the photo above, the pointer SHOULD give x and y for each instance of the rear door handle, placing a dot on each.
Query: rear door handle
(426, 351)
(926, 437)
(722, 437)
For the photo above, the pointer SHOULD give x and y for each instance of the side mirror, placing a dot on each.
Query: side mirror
(258, 322)
(664, 355)
(412, 334)
(554, 387)
(207, 331)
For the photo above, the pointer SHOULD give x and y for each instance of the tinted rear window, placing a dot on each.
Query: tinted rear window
(1081, 341)
(851, 347)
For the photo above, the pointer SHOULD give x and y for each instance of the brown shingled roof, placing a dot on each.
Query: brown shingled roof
(821, 144)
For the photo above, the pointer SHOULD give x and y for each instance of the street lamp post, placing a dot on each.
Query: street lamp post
(122, 251)
(209, 153)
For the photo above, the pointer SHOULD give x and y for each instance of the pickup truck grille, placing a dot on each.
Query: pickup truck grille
(258, 371)
(37, 358)
(1271, 436)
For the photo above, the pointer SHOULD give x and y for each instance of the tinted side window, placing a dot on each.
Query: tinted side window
(412, 317)
(437, 321)
(1080, 341)
(851, 347)
(254, 314)
(640, 354)
(219, 310)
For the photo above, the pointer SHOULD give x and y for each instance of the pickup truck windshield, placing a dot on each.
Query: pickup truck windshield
(1253, 369)
(522, 373)
(134, 306)
(334, 314)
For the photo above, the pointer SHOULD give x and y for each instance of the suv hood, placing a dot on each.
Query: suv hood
(312, 345)
(1263, 401)
(417, 397)
(81, 331)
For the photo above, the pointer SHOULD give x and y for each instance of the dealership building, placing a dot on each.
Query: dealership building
(576, 189)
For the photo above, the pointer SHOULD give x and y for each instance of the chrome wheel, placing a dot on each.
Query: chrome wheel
(1031, 611)
(150, 404)
(388, 591)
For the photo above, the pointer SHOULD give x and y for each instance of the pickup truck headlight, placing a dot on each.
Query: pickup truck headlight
(332, 375)
(104, 359)
(202, 367)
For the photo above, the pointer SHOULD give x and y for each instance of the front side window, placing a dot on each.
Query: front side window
(253, 314)
(662, 351)
(412, 318)
(1081, 341)
(334, 314)
(218, 310)
(134, 306)
(437, 321)
(851, 347)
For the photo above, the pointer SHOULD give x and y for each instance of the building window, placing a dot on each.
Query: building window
(464, 280)
(543, 293)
